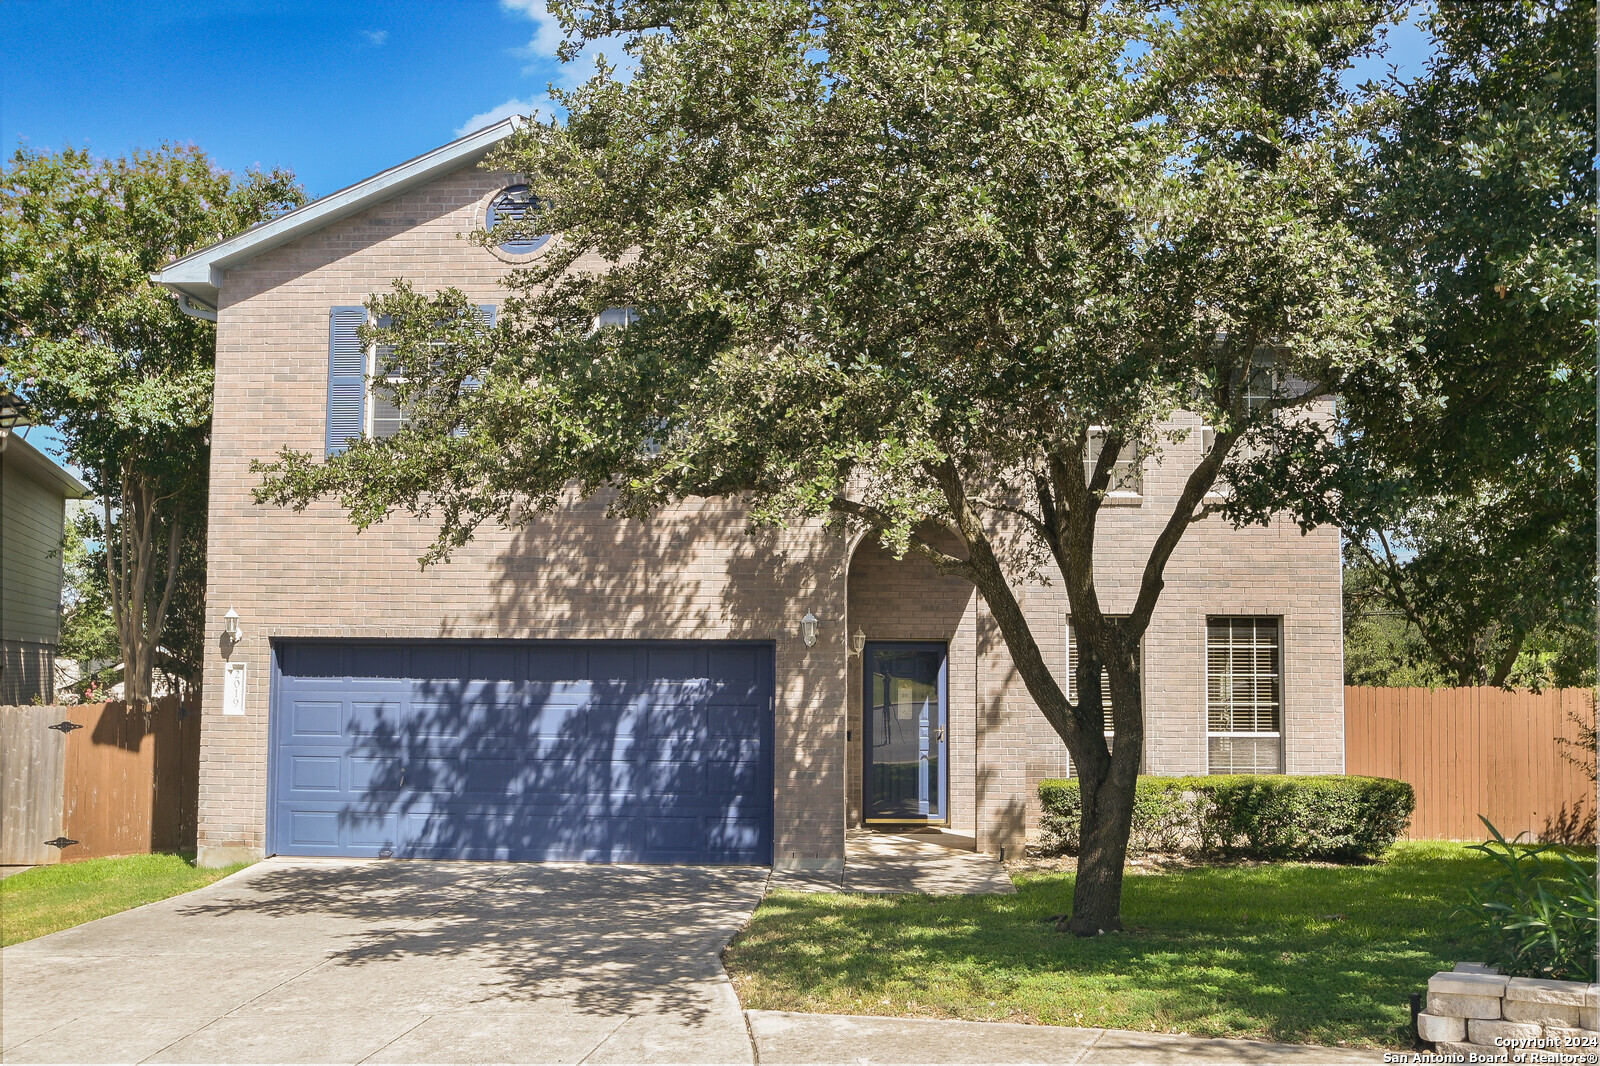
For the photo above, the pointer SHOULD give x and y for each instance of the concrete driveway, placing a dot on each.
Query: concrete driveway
(358, 961)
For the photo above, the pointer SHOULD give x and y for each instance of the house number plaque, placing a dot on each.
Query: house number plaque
(233, 679)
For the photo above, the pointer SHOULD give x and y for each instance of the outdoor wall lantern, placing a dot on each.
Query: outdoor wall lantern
(230, 627)
(12, 413)
(808, 629)
(858, 641)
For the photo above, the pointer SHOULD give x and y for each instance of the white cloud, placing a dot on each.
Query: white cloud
(541, 49)
(505, 110)
(376, 38)
(547, 35)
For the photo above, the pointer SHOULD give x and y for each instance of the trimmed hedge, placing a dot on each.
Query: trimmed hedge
(1261, 816)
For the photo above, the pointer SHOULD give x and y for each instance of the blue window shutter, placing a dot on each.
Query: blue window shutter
(486, 313)
(347, 377)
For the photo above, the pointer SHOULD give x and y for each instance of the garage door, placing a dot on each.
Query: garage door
(599, 752)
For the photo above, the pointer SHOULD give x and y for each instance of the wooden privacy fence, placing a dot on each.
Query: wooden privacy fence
(110, 780)
(1472, 751)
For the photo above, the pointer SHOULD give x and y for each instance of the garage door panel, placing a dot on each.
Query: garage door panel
(313, 660)
(373, 661)
(315, 773)
(374, 718)
(435, 718)
(496, 663)
(613, 664)
(314, 718)
(313, 828)
(586, 752)
(737, 664)
(675, 663)
(369, 832)
(437, 661)
(374, 774)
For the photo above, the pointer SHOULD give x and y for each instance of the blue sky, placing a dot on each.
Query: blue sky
(334, 90)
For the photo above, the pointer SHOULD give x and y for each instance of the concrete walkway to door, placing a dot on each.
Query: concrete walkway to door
(930, 861)
(373, 961)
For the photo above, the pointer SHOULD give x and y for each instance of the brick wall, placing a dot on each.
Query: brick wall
(691, 572)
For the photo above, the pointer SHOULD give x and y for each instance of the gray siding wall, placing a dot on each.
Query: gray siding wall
(31, 516)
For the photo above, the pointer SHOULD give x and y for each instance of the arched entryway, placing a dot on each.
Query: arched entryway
(913, 617)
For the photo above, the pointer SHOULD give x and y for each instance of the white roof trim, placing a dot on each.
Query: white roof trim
(43, 468)
(198, 275)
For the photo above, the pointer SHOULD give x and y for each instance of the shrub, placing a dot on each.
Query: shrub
(1163, 818)
(1246, 815)
(1536, 918)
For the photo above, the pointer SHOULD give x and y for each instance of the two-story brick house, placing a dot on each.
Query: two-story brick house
(590, 688)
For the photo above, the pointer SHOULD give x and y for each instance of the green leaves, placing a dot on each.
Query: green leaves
(1476, 450)
(106, 357)
(1536, 918)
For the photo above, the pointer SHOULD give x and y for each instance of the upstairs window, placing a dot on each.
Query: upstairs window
(1126, 485)
(360, 383)
(1262, 388)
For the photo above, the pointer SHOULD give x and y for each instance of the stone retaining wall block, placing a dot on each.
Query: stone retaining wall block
(1483, 1031)
(1454, 1006)
(1536, 990)
(1468, 984)
(1434, 1027)
(1521, 1010)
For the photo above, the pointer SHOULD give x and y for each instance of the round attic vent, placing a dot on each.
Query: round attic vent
(515, 204)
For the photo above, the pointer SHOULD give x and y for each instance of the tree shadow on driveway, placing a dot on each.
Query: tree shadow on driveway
(607, 939)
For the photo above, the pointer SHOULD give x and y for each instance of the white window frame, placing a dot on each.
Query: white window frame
(370, 399)
(1280, 703)
(1126, 485)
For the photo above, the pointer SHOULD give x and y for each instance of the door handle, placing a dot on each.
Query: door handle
(938, 735)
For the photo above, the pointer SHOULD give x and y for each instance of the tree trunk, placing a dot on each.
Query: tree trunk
(1106, 785)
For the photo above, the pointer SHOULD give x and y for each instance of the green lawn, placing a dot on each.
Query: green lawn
(47, 898)
(1243, 951)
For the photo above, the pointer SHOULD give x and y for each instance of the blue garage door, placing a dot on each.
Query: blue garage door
(599, 752)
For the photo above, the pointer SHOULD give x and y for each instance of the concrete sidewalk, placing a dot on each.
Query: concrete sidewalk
(781, 1037)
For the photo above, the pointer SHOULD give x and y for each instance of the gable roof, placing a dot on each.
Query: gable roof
(198, 275)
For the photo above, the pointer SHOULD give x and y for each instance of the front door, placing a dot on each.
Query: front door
(904, 729)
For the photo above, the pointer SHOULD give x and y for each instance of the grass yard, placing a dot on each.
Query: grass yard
(1289, 952)
(49, 898)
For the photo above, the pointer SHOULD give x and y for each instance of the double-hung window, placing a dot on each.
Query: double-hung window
(1244, 696)
(1126, 485)
(360, 384)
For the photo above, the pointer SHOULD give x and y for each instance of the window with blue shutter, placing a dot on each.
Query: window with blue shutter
(347, 377)
(486, 315)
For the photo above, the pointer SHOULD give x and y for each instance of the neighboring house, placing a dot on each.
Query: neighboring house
(33, 496)
(589, 688)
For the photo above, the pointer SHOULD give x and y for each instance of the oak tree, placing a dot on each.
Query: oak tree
(925, 269)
